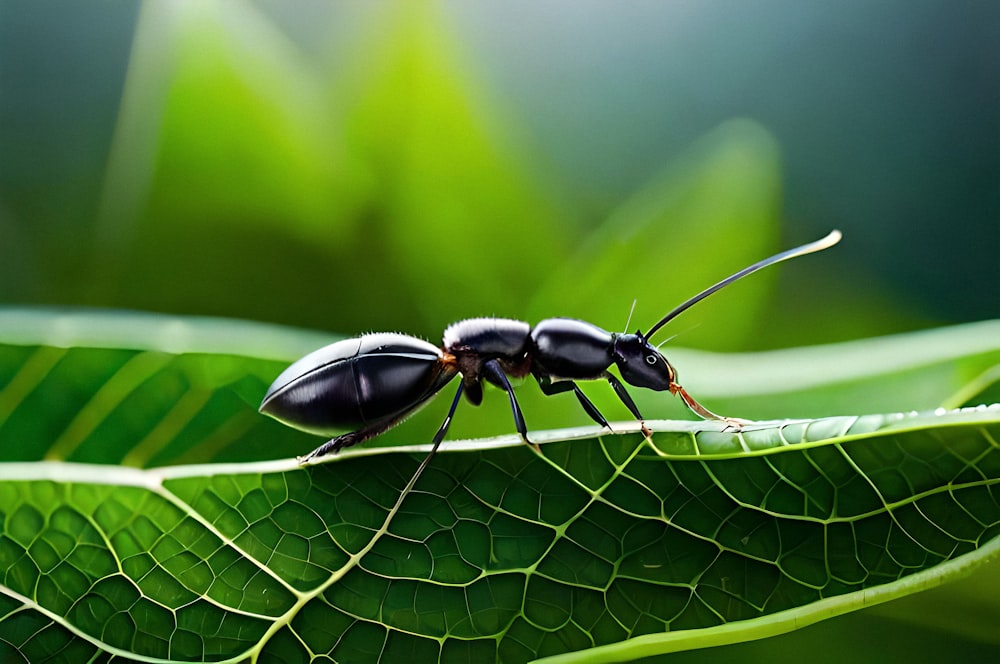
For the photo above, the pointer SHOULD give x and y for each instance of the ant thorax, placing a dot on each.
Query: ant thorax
(488, 337)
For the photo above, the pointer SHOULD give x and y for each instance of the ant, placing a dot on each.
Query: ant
(369, 384)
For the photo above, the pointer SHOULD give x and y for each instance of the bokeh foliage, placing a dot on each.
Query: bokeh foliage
(381, 186)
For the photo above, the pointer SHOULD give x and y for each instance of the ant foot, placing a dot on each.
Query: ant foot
(333, 446)
(734, 424)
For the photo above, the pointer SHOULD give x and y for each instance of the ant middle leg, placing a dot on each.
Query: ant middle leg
(494, 373)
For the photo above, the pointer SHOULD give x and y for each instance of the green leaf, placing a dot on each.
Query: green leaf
(603, 547)
(139, 389)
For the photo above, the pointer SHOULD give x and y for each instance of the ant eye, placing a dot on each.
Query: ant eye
(650, 360)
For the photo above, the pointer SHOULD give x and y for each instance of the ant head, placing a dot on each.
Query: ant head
(641, 364)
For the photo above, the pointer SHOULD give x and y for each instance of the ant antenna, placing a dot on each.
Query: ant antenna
(824, 243)
(630, 312)
(676, 334)
(666, 341)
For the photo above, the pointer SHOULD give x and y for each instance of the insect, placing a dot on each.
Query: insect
(369, 384)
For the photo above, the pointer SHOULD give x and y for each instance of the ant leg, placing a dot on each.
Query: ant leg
(591, 409)
(493, 372)
(550, 387)
(702, 412)
(334, 445)
(329, 447)
(627, 400)
(439, 436)
(622, 394)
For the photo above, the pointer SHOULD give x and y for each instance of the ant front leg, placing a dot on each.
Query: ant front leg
(626, 399)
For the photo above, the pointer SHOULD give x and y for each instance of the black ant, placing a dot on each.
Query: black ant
(369, 384)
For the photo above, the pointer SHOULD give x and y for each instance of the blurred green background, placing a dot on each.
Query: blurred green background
(398, 166)
(393, 165)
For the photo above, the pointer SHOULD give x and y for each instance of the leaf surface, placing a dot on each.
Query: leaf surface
(603, 547)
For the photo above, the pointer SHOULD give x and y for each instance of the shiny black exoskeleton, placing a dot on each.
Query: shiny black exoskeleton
(368, 384)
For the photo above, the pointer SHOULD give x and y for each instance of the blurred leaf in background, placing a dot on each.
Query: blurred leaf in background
(353, 168)
(225, 165)
(350, 203)
(399, 166)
